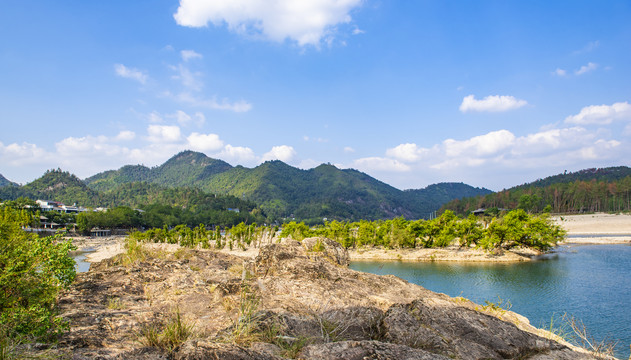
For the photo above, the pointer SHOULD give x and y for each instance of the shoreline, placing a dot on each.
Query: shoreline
(590, 229)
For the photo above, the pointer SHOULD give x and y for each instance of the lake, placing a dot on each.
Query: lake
(590, 282)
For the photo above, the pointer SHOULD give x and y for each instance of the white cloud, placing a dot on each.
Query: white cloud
(190, 80)
(493, 103)
(125, 135)
(306, 21)
(155, 118)
(601, 114)
(348, 149)
(130, 73)
(213, 103)
(586, 68)
(588, 48)
(204, 142)
(190, 54)
(283, 153)
(483, 145)
(239, 154)
(560, 72)
(163, 133)
(406, 152)
(358, 31)
(20, 154)
(380, 164)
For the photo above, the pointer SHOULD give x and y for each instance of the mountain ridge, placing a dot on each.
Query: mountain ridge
(286, 191)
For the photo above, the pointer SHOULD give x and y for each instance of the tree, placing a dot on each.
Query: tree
(32, 271)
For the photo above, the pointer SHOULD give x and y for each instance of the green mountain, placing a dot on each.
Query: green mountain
(163, 205)
(285, 191)
(60, 186)
(4, 182)
(604, 189)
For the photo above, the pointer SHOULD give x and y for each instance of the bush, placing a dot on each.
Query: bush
(32, 272)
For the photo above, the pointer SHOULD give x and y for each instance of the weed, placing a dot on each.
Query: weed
(135, 253)
(500, 306)
(245, 328)
(168, 336)
(318, 246)
(270, 332)
(114, 303)
(332, 326)
(182, 253)
(580, 335)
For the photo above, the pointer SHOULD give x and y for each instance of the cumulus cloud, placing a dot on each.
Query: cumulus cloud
(380, 164)
(405, 152)
(306, 22)
(239, 154)
(130, 73)
(189, 55)
(20, 154)
(601, 114)
(283, 153)
(348, 149)
(163, 133)
(586, 68)
(483, 145)
(125, 135)
(493, 103)
(204, 142)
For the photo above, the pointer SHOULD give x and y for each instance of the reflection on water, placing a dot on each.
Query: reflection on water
(590, 282)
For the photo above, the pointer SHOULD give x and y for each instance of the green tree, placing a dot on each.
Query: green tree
(32, 271)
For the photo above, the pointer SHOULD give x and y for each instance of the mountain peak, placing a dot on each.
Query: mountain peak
(6, 182)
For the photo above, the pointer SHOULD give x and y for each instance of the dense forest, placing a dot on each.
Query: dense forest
(279, 191)
(591, 190)
(284, 191)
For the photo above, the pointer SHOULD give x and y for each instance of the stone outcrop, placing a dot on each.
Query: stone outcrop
(294, 300)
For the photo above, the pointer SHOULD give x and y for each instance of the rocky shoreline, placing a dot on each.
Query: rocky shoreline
(287, 302)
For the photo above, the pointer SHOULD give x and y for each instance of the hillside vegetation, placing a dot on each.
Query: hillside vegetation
(590, 190)
(284, 191)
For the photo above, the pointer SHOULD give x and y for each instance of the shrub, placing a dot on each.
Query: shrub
(32, 272)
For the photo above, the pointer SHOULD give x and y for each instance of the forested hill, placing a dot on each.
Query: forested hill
(589, 190)
(5, 182)
(285, 191)
(58, 185)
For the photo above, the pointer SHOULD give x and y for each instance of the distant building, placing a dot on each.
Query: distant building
(96, 232)
(48, 205)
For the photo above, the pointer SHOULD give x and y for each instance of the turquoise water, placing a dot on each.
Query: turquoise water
(589, 282)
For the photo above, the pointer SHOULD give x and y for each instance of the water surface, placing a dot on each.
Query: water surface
(589, 282)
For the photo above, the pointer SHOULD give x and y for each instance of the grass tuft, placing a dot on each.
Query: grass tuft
(168, 336)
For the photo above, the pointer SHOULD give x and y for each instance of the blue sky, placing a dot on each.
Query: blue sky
(490, 93)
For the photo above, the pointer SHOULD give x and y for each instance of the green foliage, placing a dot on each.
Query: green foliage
(297, 231)
(168, 335)
(515, 228)
(32, 271)
(591, 190)
(287, 192)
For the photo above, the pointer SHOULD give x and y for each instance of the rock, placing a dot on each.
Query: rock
(202, 350)
(328, 249)
(290, 299)
(365, 350)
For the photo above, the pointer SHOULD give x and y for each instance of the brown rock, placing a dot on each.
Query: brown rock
(288, 300)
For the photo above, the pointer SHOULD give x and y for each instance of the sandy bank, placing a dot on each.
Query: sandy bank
(597, 228)
(447, 254)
